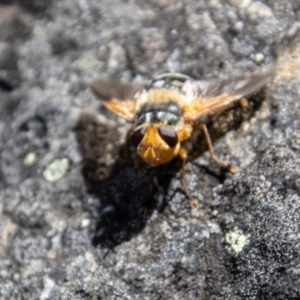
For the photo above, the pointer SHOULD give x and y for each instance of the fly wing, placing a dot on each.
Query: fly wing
(207, 100)
(117, 96)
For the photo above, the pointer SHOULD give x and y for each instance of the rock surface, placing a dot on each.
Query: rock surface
(80, 235)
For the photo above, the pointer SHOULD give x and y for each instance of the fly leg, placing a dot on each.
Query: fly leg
(183, 155)
(225, 166)
(142, 173)
(144, 209)
(126, 152)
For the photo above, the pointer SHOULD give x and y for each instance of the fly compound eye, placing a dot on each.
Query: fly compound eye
(168, 135)
(137, 136)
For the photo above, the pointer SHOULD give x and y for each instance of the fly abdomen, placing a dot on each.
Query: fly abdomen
(168, 81)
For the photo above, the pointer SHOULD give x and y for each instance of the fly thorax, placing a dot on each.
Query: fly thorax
(167, 113)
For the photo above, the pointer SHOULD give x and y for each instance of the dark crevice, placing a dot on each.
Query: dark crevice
(5, 86)
(37, 125)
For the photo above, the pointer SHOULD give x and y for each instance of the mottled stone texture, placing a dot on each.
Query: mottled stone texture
(82, 236)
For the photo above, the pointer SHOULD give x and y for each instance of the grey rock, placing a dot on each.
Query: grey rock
(83, 236)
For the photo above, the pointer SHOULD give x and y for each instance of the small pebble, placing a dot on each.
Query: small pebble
(29, 159)
(85, 223)
(258, 57)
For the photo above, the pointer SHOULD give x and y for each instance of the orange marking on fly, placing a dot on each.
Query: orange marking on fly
(156, 144)
(166, 111)
(244, 103)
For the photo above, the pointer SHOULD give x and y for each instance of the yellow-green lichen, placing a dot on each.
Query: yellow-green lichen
(56, 170)
(236, 240)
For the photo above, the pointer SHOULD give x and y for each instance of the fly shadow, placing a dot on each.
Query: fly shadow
(113, 179)
(120, 190)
